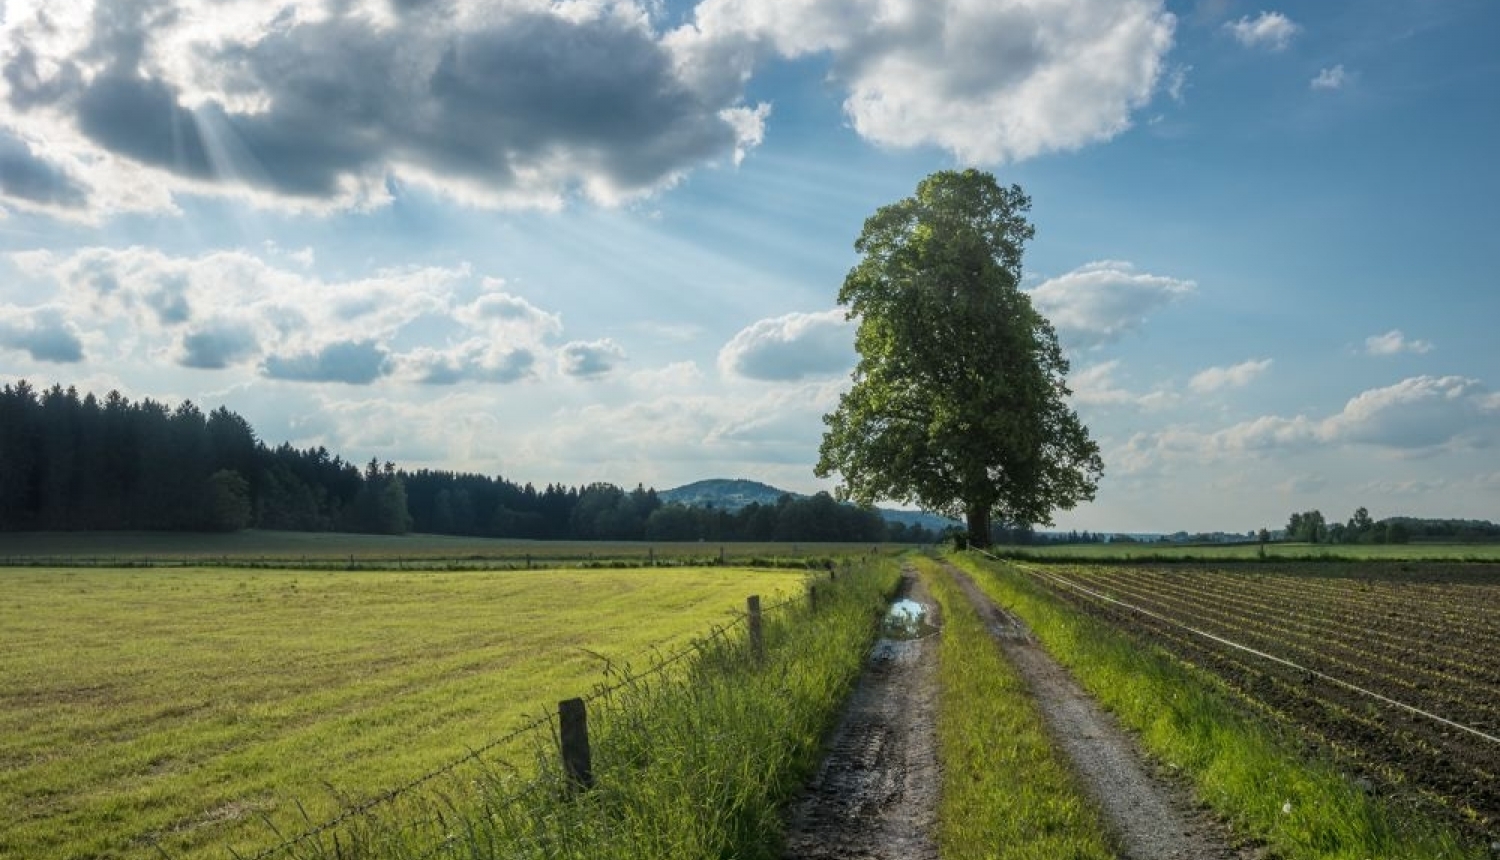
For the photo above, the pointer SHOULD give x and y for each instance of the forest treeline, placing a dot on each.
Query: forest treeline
(71, 462)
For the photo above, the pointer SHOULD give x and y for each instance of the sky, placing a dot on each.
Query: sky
(602, 240)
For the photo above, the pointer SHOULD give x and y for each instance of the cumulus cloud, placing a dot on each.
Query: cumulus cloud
(791, 347)
(1098, 303)
(1270, 30)
(43, 333)
(26, 178)
(1419, 416)
(989, 82)
(350, 362)
(1394, 342)
(230, 309)
(1095, 385)
(1234, 376)
(520, 102)
(218, 345)
(1330, 79)
(589, 359)
(475, 360)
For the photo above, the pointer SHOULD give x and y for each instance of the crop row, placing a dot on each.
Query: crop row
(1344, 648)
(1420, 643)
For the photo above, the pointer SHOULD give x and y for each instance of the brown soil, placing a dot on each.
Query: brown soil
(1415, 634)
(876, 794)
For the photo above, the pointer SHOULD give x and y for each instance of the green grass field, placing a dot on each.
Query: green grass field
(179, 706)
(1273, 551)
(323, 550)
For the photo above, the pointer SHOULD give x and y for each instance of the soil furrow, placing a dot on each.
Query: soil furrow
(1151, 818)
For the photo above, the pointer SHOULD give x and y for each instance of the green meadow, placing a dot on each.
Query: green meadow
(196, 709)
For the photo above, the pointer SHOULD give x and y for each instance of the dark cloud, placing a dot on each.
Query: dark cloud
(592, 359)
(532, 104)
(27, 177)
(29, 89)
(170, 301)
(45, 335)
(217, 347)
(352, 362)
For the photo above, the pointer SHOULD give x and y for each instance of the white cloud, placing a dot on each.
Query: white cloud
(1419, 416)
(1235, 376)
(990, 82)
(1270, 30)
(231, 309)
(1095, 385)
(791, 347)
(589, 359)
(1330, 79)
(1099, 302)
(1394, 342)
(43, 333)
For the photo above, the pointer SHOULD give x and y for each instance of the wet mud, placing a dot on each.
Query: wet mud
(875, 795)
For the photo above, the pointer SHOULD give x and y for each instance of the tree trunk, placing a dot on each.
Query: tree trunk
(978, 522)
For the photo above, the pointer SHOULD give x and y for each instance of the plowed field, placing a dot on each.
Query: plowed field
(1396, 667)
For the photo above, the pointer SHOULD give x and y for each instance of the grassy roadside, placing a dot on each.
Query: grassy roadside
(1007, 793)
(1302, 809)
(688, 764)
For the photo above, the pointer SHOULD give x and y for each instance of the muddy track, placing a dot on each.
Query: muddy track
(1151, 817)
(875, 795)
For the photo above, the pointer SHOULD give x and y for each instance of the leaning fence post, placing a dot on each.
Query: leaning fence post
(573, 730)
(757, 643)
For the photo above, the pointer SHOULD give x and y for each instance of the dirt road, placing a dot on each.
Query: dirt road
(876, 795)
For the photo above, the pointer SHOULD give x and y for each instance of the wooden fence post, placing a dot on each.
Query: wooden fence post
(573, 725)
(757, 642)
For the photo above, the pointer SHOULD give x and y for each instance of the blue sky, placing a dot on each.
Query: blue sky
(601, 241)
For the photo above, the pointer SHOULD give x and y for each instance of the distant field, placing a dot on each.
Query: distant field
(1279, 551)
(322, 549)
(181, 705)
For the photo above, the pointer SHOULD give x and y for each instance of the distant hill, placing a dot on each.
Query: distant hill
(731, 494)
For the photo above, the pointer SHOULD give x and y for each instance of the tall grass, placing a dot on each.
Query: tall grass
(692, 760)
(1007, 792)
(1246, 770)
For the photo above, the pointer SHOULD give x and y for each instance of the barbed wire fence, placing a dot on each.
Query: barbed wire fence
(314, 837)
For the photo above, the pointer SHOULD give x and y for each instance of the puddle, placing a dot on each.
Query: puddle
(907, 619)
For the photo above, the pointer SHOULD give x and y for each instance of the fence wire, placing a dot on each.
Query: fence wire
(628, 679)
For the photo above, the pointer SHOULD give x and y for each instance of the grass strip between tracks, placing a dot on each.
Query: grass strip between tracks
(1302, 809)
(1007, 792)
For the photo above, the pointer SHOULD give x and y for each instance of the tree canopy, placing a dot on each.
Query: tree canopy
(958, 401)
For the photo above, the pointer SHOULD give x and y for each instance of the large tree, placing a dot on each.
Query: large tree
(959, 401)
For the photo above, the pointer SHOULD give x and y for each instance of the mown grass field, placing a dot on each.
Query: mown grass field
(1103, 552)
(178, 706)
